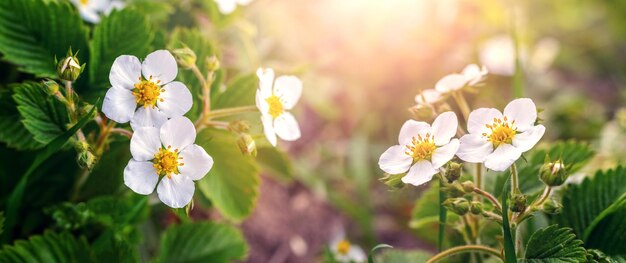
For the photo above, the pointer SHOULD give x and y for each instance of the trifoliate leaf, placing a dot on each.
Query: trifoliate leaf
(12, 130)
(233, 182)
(554, 244)
(44, 116)
(49, 248)
(34, 32)
(202, 242)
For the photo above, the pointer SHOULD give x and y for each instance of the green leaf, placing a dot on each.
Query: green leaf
(123, 32)
(34, 32)
(43, 115)
(597, 256)
(275, 162)
(584, 202)
(509, 246)
(233, 182)
(202, 242)
(370, 255)
(101, 180)
(1, 222)
(442, 218)
(554, 244)
(396, 255)
(48, 248)
(607, 232)
(240, 92)
(426, 214)
(12, 130)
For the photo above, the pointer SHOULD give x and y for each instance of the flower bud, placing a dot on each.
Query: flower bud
(69, 68)
(52, 87)
(86, 159)
(468, 186)
(459, 206)
(551, 206)
(212, 63)
(453, 171)
(422, 112)
(553, 173)
(239, 126)
(476, 207)
(246, 144)
(518, 203)
(454, 189)
(185, 57)
(393, 180)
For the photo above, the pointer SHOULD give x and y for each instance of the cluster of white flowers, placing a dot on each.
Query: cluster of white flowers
(91, 10)
(471, 75)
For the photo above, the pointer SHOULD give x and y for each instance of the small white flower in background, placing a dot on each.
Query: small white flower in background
(497, 139)
(422, 149)
(147, 101)
(471, 75)
(344, 251)
(168, 153)
(274, 98)
(228, 6)
(91, 10)
(428, 97)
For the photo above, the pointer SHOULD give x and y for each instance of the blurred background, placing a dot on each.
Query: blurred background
(362, 63)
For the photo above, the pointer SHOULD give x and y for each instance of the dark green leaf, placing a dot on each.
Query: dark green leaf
(43, 115)
(597, 256)
(554, 244)
(202, 242)
(102, 179)
(509, 246)
(442, 218)
(607, 232)
(48, 248)
(1, 222)
(12, 130)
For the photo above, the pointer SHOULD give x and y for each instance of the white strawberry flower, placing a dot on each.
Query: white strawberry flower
(168, 153)
(91, 10)
(422, 149)
(146, 101)
(274, 98)
(471, 75)
(228, 6)
(344, 251)
(428, 97)
(498, 139)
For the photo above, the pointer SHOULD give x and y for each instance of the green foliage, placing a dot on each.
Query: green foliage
(123, 32)
(48, 248)
(395, 255)
(12, 130)
(425, 215)
(202, 242)
(607, 232)
(240, 92)
(275, 162)
(104, 179)
(233, 182)
(1, 222)
(34, 32)
(370, 255)
(554, 244)
(43, 115)
(597, 256)
(509, 246)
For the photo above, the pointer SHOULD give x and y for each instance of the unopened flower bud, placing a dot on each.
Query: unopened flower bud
(246, 144)
(422, 112)
(69, 68)
(476, 207)
(454, 189)
(518, 203)
(553, 173)
(551, 206)
(453, 171)
(393, 180)
(52, 87)
(459, 206)
(212, 63)
(185, 57)
(468, 186)
(239, 126)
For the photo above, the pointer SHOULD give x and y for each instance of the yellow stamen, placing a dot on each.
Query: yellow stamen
(84, 2)
(501, 131)
(276, 106)
(343, 247)
(421, 148)
(147, 93)
(166, 162)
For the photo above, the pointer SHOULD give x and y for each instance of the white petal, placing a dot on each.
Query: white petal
(474, 74)
(503, 157)
(147, 117)
(450, 82)
(356, 254)
(523, 111)
(266, 81)
(261, 103)
(428, 96)
(177, 191)
(444, 127)
(226, 6)
(145, 143)
(161, 65)
(197, 162)
(410, 129)
(244, 2)
(527, 140)
(89, 15)
(125, 72)
(474, 148)
(481, 117)
(140, 177)
(119, 105)
(394, 160)
(420, 173)
(176, 98)
(288, 89)
(268, 129)
(178, 132)
(286, 127)
(445, 153)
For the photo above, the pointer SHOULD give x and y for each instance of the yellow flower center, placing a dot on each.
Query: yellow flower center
(84, 2)
(147, 92)
(166, 162)
(421, 148)
(343, 247)
(501, 131)
(276, 107)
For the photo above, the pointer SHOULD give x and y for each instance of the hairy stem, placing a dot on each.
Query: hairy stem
(231, 111)
(465, 249)
(514, 181)
(489, 197)
(462, 103)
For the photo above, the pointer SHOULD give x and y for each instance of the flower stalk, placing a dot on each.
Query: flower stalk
(465, 249)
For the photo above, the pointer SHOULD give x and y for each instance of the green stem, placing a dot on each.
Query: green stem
(489, 197)
(465, 249)
(462, 103)
(514, 181)
(544, 196)
(232, 111)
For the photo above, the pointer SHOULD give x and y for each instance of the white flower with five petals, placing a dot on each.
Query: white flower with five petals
(422, 149)
(345, 251)
(274, 98)
(228, 6)
(499, 139)
(428, 97)
(90, 10)
(471, 75)
(168, 153)
(146, 101)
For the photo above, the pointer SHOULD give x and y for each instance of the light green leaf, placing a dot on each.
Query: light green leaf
(233, 182)
(240, 92)
(43, 115)
(12, 130)
(48, 248)
(275, 162)
(554, 244)
(202, 242)
(396, 255)
(33, 32)
(123, 32)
